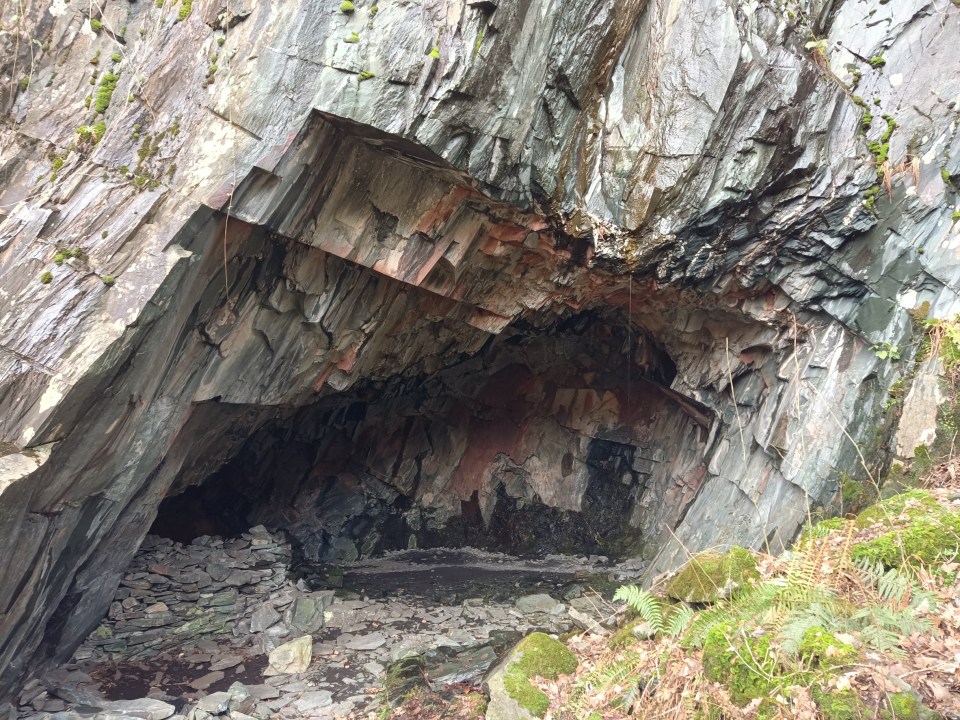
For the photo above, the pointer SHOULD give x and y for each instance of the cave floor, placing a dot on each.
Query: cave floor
(193, 626)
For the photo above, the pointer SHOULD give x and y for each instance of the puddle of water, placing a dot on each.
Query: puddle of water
(451, 576)
(133, 679)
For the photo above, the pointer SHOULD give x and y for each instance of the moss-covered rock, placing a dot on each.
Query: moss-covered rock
(926, 540)
(709, 576)
(512, 695)
(905, 706)
(819, 647)
(745, 665)
(839, 704)
(911, 505)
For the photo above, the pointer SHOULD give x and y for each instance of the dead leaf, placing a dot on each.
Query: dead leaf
(939, 692)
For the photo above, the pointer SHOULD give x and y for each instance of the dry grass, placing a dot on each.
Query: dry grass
(674, 685)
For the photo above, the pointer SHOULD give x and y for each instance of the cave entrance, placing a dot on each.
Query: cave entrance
(556, 436)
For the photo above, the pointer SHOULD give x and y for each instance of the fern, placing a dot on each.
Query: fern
(800, 621)
(816, 532)
(802, 572)
(882, 639)
(802, 597)
(747, 605)
(644, 603)
(904, 622)
(679, 620)
(893, 585)
(621, 672)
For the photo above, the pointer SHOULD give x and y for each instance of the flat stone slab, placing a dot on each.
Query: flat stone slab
(374, 668)
(145, 708)
(539, 603)
(367, 642)
(311, 701)
(215, 703)
(202, 683)
(226, 661)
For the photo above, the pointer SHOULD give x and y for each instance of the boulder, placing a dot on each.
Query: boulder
(512, 695)
(291, 657)
(305, 614)
(263, 617)
(539, 603)
(709, 575)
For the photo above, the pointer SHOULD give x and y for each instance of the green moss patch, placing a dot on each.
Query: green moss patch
(105, 92)
(819, 647)
(928, 540)
(905, 706)
(744, 664)
(537, 655)
(92, 133)
(839, 705)
(837, 523)
(911, 505)
(709, 575)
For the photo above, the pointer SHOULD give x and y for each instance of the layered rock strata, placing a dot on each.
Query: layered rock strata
(216, 214)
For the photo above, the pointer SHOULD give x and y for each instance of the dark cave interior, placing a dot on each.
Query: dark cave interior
(542, 442)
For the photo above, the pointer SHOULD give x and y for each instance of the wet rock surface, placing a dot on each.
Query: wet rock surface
(279, 647)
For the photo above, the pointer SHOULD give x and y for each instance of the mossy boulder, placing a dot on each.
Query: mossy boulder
(911, 505)
(512, 695)
(745, 665)
(709, 576)
(821, 648)
(839, 704)
(905, 706)
(926, 540)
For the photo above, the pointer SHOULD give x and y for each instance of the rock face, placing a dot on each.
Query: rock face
(602, 257)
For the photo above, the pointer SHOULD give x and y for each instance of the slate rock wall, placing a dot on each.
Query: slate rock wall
(285, 215)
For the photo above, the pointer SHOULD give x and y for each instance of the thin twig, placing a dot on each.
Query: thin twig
(736, 406)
